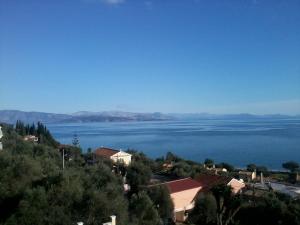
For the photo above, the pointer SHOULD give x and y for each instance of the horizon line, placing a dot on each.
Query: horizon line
(165, 113)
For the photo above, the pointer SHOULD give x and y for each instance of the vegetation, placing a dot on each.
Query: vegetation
(218, 207)
(291, 165)
(75, 141)
(258, 169)
(205, 210)
(272, 209)
(251, 167)
(138, 176)
(35, 189)
(143, 210)
(39, 130)
(161, 199)
(227, 166)
(209, 162)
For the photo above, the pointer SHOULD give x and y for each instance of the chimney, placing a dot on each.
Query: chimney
(297, 177)
(262, 178)
(113, 220)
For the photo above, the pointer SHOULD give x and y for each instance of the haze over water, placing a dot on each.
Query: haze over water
(239, 142)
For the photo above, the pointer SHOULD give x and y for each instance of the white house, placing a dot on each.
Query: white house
(114, 155)
(31, 138)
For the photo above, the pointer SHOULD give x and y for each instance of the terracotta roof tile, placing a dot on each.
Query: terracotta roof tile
(182, 185)
(207, 181)
(105, 152)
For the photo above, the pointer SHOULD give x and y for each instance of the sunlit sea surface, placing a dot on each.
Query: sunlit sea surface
(239, 142)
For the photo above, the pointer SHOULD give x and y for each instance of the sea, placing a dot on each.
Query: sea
(266, 142)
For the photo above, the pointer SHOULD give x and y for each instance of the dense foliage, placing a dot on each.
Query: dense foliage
(35, 189)
(220, 207)
(39, 130)
(291, 165)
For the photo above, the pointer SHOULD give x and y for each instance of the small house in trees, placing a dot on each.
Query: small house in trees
(208, 181)
(31, 138)
(183, 193)
(114, 155)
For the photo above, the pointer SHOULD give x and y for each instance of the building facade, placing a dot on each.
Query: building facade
(114, 155)
(183, 193)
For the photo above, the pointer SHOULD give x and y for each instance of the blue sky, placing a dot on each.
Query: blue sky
(215, 56)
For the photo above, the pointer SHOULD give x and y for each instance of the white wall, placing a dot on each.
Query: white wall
(122, 157)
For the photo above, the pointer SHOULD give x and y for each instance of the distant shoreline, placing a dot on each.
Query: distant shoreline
(11, 116)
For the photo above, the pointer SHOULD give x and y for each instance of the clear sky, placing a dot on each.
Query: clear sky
(218, 56)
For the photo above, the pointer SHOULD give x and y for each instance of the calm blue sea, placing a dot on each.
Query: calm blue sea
(239, 142)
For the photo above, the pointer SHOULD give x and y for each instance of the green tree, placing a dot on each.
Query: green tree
(251, 167)
(138, 175)
(170, 157)
(75, 141)
(270, 209)
(181, 169)
(227, 166)
(209, 162)
(262, 169)
(291, 166)
(228, 205)
(33, 189)
(160, 196)
(142, 210)
(20, 128)
(205, 210)
(32, 208)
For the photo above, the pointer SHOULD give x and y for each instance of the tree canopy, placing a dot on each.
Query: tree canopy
(291, 165)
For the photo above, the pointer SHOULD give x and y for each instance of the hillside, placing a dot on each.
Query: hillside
(37, 189)
(11, 116)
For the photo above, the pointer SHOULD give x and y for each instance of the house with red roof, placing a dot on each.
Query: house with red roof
(114, 155)
(208, 181)
(183, 193)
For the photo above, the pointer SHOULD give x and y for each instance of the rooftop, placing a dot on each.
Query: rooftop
(106, 152)
(207, 181)
(182, 185)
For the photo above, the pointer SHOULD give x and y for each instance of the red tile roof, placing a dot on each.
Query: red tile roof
(106, 152)
(182, 185)
(207, 181)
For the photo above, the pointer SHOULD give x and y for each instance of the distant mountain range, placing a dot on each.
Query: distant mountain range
(11, 116)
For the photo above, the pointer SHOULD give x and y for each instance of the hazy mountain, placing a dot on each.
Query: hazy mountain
(241, 116)
(11, 116)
